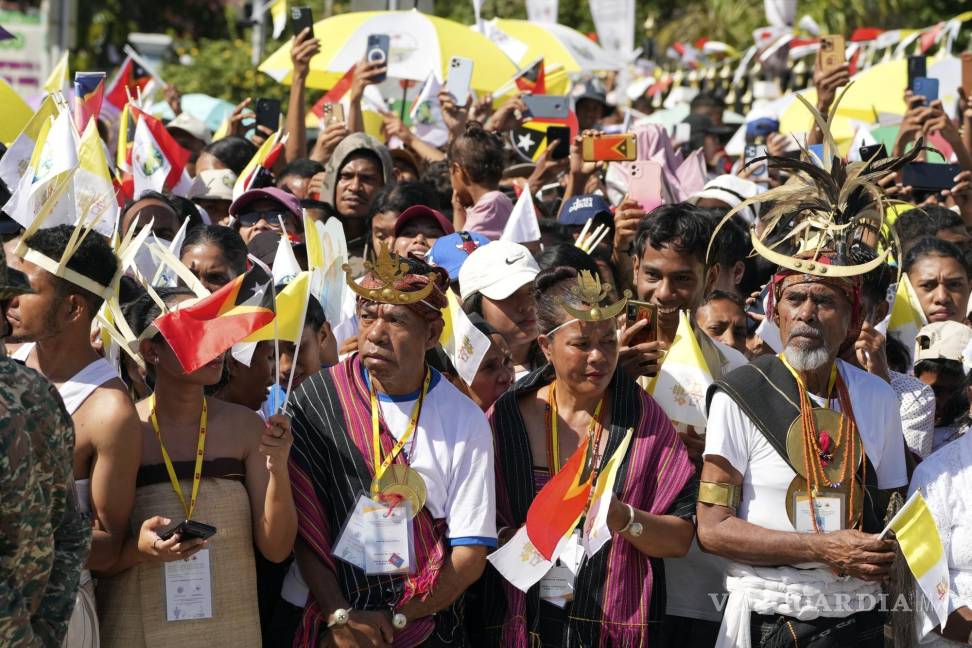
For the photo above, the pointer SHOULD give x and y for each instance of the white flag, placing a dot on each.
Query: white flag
(427, 116)
(150, 167)
(522, 227)
(541, 10)
(58, 155)
(285, 266)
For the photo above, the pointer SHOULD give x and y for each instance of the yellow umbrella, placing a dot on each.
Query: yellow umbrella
(420, 45)
(557, 44)
(878, 89)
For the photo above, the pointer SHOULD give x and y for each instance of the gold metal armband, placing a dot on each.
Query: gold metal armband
(727, 495)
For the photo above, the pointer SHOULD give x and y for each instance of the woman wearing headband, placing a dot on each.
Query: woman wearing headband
(209, 462)
(581, 401)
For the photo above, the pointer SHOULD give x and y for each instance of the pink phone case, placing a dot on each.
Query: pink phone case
(644, 182)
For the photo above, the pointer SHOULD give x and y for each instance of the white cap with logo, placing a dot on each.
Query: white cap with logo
(497, 270)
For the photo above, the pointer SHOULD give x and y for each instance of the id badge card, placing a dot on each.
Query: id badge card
(350, 542)
(188, 586)
(387, 538)
(557, 586)
(828, 511)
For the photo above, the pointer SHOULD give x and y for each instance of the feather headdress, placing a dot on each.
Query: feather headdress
(825, 207)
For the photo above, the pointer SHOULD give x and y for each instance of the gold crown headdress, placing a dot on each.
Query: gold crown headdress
(387, 269)
(826, 207)
(591, 292)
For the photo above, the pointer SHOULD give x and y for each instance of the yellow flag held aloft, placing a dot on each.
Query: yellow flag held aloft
(15, 161)
(14, 113)
(278, 11)
(921, 545)
(465, 344)
(60, 77)
(291, 312)
(94, 193)
(681, 382)
(907, 316)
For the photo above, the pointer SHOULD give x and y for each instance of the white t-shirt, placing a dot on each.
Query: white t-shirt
(453, 451)
(766, 475)
(690, 579)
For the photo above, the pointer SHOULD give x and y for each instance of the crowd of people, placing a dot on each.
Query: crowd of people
(373, 508)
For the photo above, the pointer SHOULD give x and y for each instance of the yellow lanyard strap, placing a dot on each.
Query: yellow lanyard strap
(830, 383)
(379, 465)
(200, 451)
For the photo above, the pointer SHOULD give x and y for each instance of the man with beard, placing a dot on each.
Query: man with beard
(800, 448)
(56, 319)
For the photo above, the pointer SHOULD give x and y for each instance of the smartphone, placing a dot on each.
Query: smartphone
(644, 182)
(546, 106)
(561, 135)
(967, 72)
(873, 152)
(929, 176)
(639, 310)
(376, 51)
(301, 18)
(927, 88)
(459, 79)
(268, 113)
(189, 530)
(916, 68)
(831, 52)
(753, 152)
(333, 114)
(610, 148)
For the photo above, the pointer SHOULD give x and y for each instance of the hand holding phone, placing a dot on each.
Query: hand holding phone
(376, 51)
(637, 311)
(459, 79)
(927, 88)
(301, 18)
(916, 68)
(189, 530)
(754, 152)
(268, 113)
(560, 135)
(831, 52)
(644, 183)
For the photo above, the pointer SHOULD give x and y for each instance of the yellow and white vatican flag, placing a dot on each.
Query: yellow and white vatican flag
(59, 80)
(465, 344)
(596, 532)
(278, 13)
(15, 161)
(94, 193)
(907, 316)
(683, 378)
(921, 545)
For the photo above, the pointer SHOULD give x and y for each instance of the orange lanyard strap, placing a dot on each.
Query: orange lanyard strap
(200, 452)
(380, 465)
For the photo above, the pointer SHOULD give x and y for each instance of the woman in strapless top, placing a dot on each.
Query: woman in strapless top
(243, 491)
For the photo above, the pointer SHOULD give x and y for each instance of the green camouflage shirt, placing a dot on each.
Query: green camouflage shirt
(44, 538)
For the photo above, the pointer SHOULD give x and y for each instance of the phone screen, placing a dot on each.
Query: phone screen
(638, 310)
(561, 135)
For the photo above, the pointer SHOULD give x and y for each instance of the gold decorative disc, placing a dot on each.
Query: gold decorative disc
(829, 421)
(401, 482)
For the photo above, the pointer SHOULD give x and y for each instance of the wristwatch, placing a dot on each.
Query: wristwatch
(634, 529)
(399, 620)
(339, 617)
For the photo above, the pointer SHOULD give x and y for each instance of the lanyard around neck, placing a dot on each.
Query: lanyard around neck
(200, 452)
(380, 466)
(830, 382)
(553, 446)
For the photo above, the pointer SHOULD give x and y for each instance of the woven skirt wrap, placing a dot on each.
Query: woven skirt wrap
(132, 604)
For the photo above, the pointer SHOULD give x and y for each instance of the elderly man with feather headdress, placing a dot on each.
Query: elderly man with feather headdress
(385, 425)
(800, 446)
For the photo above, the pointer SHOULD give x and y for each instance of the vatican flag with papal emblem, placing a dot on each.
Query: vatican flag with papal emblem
(921, 545)
(465, 344)
(681, 382)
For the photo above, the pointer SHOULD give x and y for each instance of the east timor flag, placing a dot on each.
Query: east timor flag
(559, 505)
(200, 332)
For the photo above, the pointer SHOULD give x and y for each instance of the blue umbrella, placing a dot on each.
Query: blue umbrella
(209, 110)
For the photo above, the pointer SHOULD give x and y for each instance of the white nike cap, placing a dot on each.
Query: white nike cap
(497, 270)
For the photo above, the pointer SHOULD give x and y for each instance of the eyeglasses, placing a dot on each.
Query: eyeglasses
(273, 217)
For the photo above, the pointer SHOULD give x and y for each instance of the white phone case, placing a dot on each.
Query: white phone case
(459, 79)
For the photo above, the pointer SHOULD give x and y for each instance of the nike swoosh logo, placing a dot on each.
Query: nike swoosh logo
(514, 260)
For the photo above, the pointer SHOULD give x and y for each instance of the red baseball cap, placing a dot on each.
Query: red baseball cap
(420, 211)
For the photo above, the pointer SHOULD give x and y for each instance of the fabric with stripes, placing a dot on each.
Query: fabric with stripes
(331, 465)
(613, 603)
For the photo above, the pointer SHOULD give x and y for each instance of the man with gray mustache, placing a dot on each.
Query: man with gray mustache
(798, 447)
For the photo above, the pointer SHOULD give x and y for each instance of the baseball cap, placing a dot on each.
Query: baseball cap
(420, 211)
(594, 90)
(942, 341)
(213, 184)
(497, 270)
(189, 124)
(287, 200)
(452, 250)
(580, 209)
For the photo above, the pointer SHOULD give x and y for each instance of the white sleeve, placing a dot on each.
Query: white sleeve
(892, 472)
(471, 499)
(726, 432)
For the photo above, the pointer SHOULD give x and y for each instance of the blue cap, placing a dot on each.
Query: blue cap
(452, 250)
(580, 209)
(762, 127)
